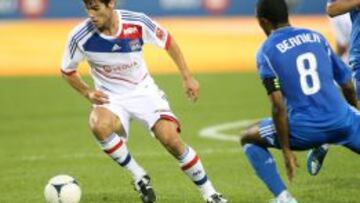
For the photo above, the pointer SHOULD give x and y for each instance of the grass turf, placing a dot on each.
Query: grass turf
(44, 132)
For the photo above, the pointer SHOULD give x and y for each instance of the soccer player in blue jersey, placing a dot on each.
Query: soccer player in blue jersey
(337, 8)
(298, 69)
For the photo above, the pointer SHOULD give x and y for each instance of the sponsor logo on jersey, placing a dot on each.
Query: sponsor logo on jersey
(119, 68)
(130, 31)
(107, 69)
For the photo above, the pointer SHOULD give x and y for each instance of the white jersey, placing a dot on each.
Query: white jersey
(342, 28)
(116, 63)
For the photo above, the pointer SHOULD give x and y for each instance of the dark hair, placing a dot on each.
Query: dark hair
(106, 2)
(276, 11)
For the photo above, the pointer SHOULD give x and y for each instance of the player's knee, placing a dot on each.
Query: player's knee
(246, 136)
(101, 128)
(243, 138)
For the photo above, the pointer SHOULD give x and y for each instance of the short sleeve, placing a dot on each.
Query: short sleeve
(264, 66)
(155, 34)
(342, 73)
(73, 55)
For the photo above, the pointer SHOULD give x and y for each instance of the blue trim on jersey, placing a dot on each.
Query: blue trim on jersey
(201, 181)
(98, 44)
(140, 18)
(79, 36)
(79, 33)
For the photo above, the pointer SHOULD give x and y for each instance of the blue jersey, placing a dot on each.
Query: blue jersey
(306, 68)
(354, 53)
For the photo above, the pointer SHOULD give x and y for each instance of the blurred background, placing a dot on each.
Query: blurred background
(215, 35)
(44, 123)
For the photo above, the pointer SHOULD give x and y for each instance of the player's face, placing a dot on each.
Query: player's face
(99, 13)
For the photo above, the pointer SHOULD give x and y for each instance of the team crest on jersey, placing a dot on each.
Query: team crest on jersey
(135, 45)
(160, 34)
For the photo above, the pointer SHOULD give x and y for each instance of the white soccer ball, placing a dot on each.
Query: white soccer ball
(62, 189)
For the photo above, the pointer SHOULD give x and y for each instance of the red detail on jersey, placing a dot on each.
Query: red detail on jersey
(160, 34)
(114, 148)
(68, 73)
(168, 42)
(172, 119)
(131, 31)
(191, 163)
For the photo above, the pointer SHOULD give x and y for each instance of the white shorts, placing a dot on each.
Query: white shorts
(147, 104)
(342, 28)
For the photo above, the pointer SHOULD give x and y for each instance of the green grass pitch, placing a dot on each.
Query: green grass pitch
(44, 132)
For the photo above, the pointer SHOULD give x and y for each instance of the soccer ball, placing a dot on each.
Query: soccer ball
(62, 189)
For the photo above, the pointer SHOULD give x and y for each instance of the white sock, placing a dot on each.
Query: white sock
(115, 147)
(284, 196)
(193, 168)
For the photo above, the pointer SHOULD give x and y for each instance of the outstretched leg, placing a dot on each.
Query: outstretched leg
(255, 148)
(166, 131)
(104, 124)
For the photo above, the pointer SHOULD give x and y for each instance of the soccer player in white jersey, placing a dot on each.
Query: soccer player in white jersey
(341, 26)
(111, 42)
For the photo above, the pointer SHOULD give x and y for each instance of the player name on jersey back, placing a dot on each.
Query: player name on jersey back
(297, 40)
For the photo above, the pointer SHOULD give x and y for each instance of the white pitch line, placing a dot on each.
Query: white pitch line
(216, 131)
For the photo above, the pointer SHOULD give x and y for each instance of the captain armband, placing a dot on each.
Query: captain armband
(271, 85)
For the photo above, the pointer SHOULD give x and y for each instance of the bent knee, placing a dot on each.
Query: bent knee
(101, 128)
(244, 138)
(250, 135)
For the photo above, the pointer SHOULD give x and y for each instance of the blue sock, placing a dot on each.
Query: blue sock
(264, 165)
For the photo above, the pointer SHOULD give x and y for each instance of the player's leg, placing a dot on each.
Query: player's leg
(352, 141)
(342, 29)
(106, 126)
(166, 130)
(255, 141)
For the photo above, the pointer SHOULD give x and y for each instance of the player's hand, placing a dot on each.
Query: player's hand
(290, 163)
(97, 97)
(192, 88)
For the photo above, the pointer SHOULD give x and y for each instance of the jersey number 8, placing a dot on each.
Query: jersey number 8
(309, 77)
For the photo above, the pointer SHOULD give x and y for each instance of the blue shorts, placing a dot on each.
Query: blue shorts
(303, 138)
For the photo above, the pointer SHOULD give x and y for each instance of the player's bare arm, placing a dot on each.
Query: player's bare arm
(348, 91)
(279, 115)
(94, 96)
(339, 7)
(191, 85)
